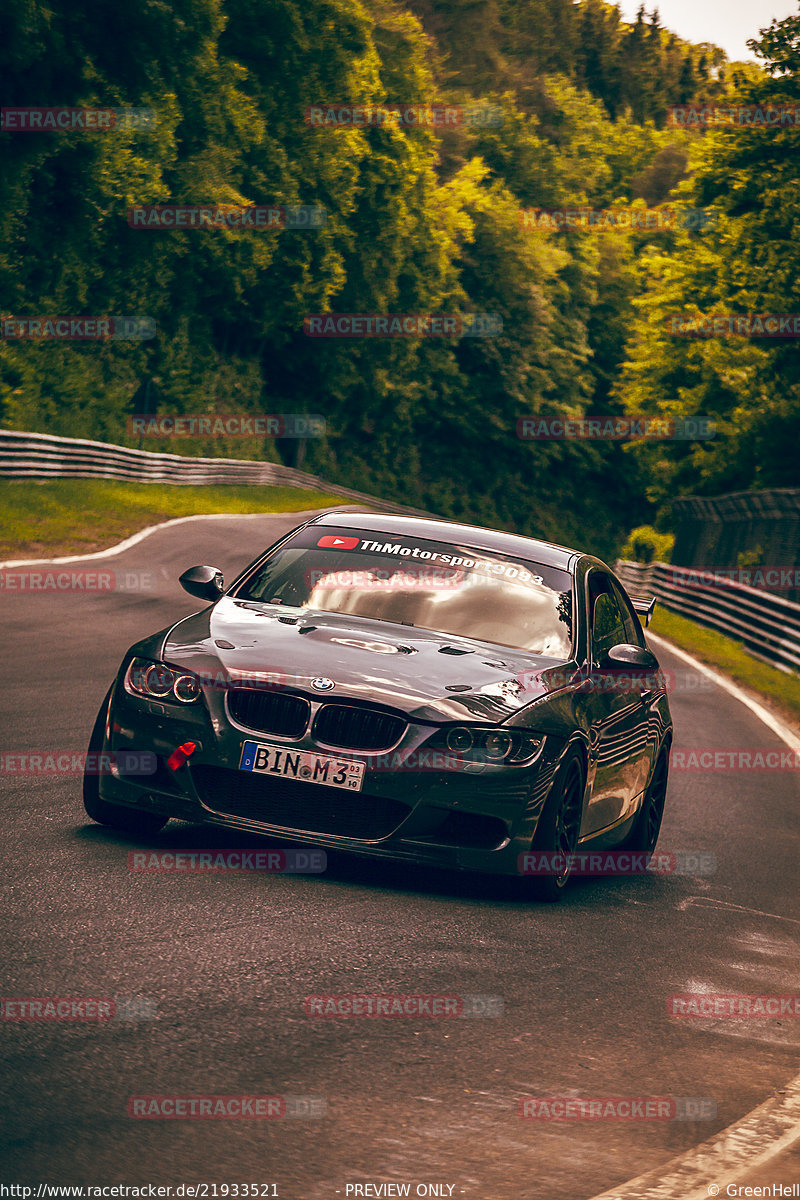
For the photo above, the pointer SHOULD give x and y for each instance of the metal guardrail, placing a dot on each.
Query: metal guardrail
(757, 527)
(44, 456)
(766, 624)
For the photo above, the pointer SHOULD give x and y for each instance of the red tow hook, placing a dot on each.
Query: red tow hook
(181, 755)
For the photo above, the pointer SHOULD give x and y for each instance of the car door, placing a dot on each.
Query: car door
(614, 712)
(651, 686)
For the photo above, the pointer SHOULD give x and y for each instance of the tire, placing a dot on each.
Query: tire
(128, 820)
(559, 826)
(647, 826)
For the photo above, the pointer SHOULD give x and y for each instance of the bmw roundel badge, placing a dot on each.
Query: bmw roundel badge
(322, 684)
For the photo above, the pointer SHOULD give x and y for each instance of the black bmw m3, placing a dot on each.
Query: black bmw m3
(398, 687)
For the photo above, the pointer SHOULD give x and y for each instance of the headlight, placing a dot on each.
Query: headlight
(510, 746)
(459, 740)
(497, 745)
(186, 688)
(157, 681)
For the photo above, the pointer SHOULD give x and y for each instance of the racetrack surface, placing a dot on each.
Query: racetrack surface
(228, 958)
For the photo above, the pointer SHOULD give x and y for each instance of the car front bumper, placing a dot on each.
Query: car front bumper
(475, 817)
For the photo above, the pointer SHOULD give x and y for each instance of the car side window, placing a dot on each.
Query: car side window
(633, 627)
(608, 626)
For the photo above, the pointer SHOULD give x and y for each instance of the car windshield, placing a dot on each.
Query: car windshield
(450, 589)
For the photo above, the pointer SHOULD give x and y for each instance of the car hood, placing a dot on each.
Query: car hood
(428, 676)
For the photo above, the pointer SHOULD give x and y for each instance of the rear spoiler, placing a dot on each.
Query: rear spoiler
(643, 607)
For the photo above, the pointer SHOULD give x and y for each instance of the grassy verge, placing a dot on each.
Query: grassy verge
(779, 690)
(77, 516)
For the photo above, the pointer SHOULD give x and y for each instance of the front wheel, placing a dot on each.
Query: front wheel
(128, 820)
(647, 826)
(558, 829)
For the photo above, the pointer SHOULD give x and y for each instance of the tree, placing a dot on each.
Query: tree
(748, 264)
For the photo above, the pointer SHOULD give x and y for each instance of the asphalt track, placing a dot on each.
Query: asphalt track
(225, 961)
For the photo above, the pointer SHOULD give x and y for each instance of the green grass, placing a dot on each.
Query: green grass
(779, 690)
(76, 516)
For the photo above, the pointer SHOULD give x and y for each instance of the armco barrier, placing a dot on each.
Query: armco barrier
(721, 531)
(43, 456)
(768, 625)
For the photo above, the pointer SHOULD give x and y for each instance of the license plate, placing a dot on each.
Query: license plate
(305, 765)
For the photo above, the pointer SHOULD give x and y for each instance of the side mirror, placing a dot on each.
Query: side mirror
(206, 583)
(628, 657)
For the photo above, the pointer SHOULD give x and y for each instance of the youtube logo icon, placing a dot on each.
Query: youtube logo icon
(335, 541)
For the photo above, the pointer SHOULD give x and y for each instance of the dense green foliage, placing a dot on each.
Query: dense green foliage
(748, 263)
(645, 545)
(420, 220)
